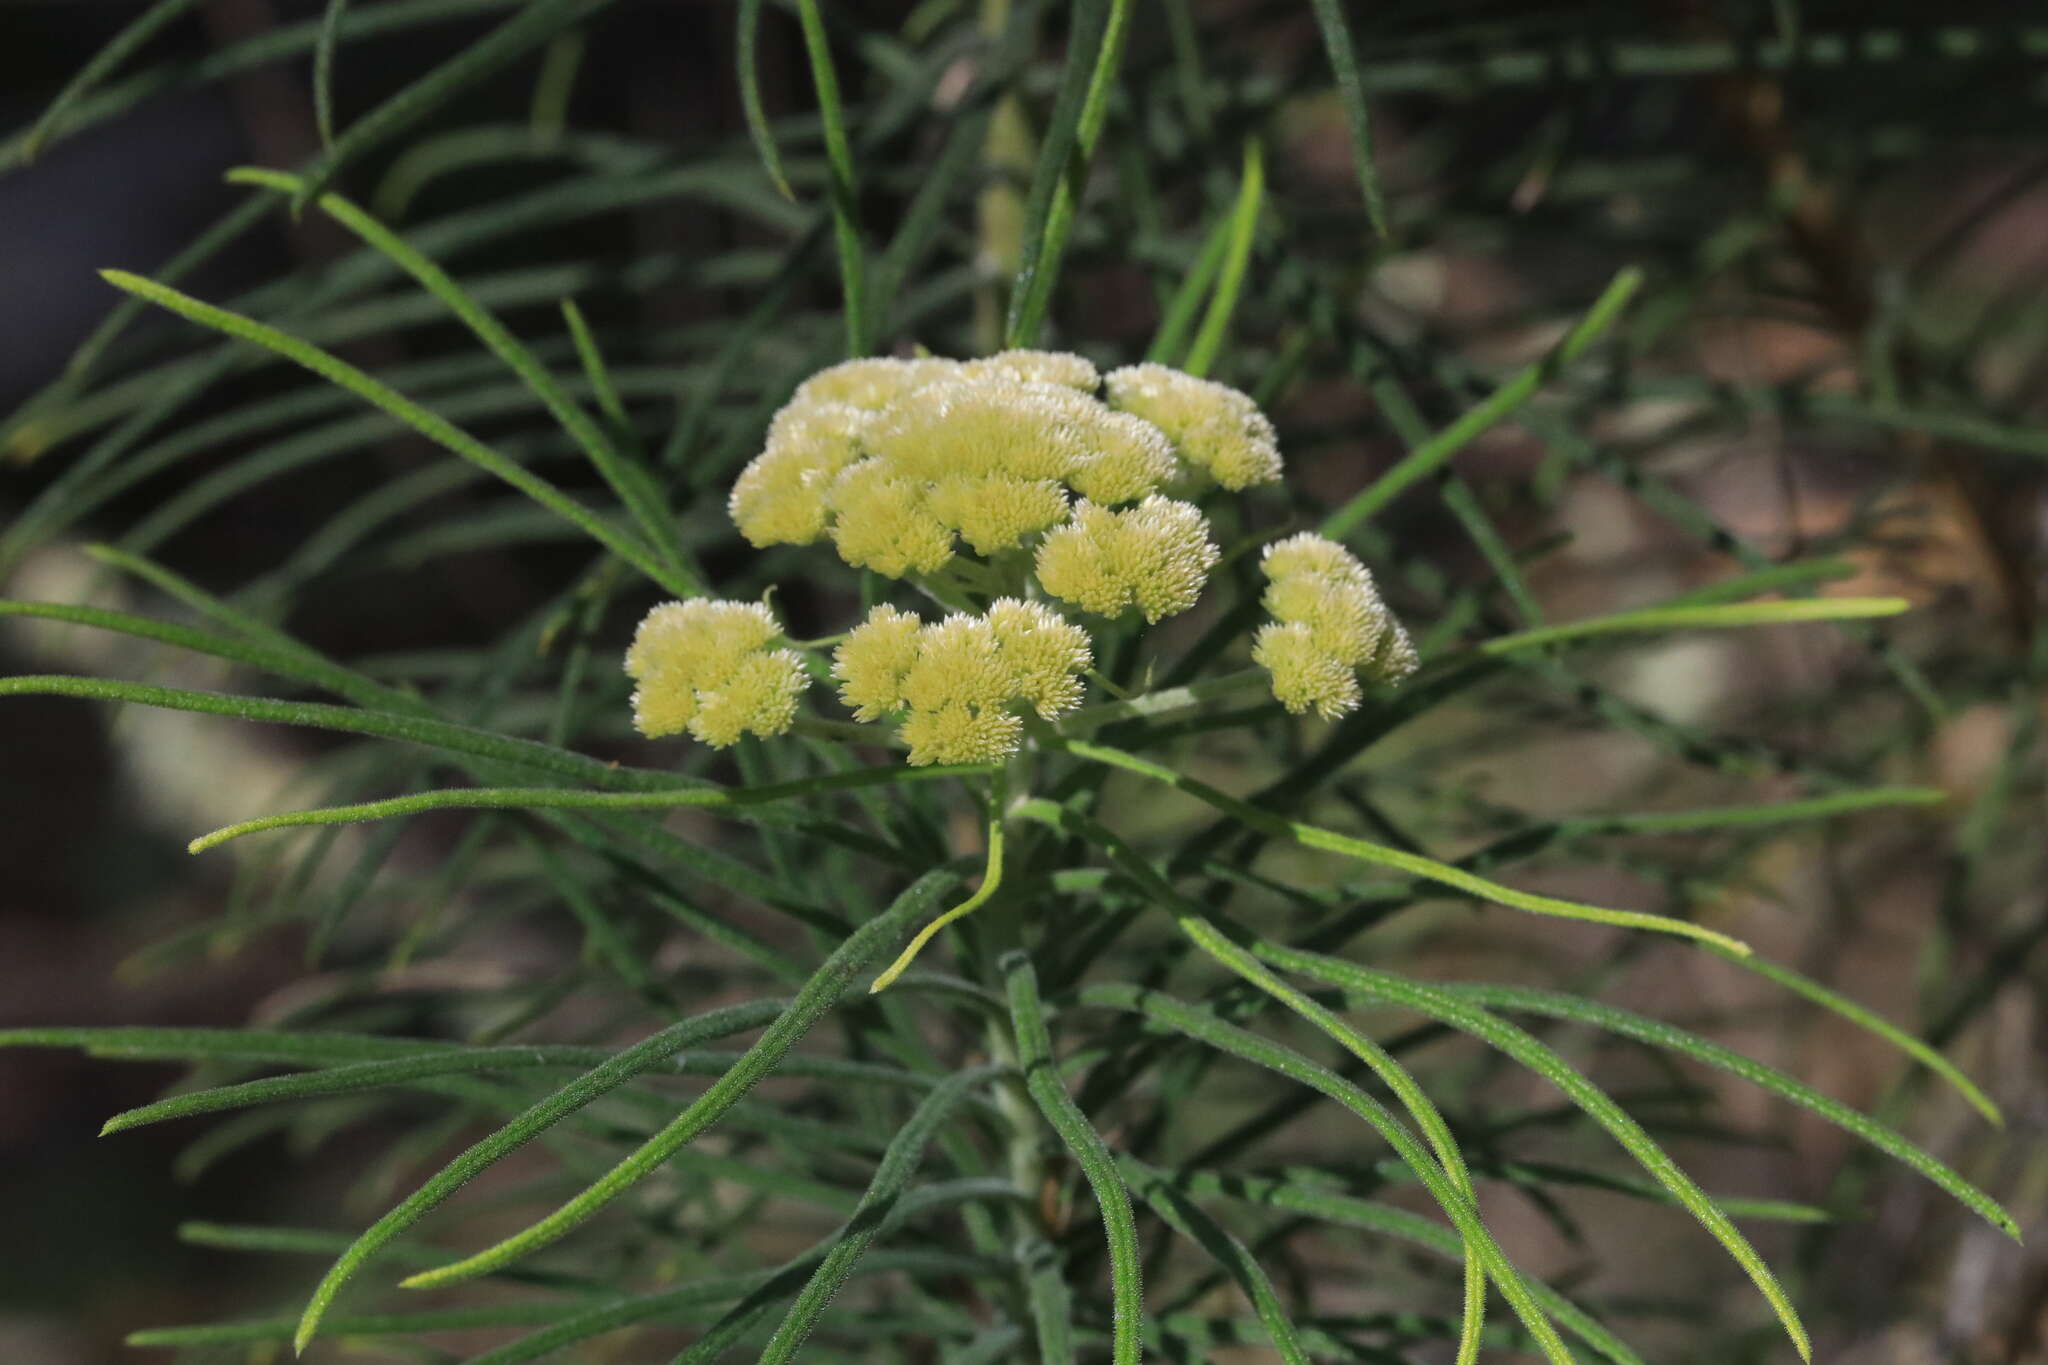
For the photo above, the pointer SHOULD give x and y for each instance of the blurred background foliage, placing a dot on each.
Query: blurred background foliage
(1842, 214)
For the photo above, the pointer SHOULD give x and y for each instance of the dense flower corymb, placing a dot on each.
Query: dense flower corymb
(959, 682)
(1329, 627)
(899, 462)
(1213, 427)
(1155, 556)
(705, 667)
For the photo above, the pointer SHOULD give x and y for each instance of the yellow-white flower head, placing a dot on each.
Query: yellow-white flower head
(1329, 627)
(898, 460)
(883, 521)
(1155, 557)
(1038, 367)
(873, 384)
(705, 667)
(959, 681)
(779, 498)
(873, 659)
(1214, 427)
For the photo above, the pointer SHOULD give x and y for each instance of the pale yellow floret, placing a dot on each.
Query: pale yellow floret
(1343, 614)
(1307, 552)
(874, 383)
(871, 661)
(759, 697)
(959, 682)
(997, 511)
(779, 498)
(1329, 624)
(1127, 458)
(1044, 653)
(884, 522)
(704, 667)
(1155, 557)
(979, 428)
(1038, 367)
(1214, 427)
(1303, 675)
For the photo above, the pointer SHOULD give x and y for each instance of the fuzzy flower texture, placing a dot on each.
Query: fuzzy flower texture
(705, 667)
(959, 684)
(1329, 627)
(1025, 472)
(902, 463)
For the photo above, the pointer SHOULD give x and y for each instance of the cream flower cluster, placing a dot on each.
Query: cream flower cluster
(900, 461)
(959, 682)
(1155, 556)
(706, 667)
(1329, 627)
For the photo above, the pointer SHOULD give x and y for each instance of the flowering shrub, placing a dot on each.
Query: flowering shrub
(1100, 684)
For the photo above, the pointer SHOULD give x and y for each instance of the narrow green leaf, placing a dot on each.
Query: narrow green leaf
(1112, 1201)
(412, 729)
(1179, 314)
(1320, 1202)
(323, 70)
(1096, 49)
(480, 1156)
(1656, 1033)
(1329, 841)
(360, 1325)
(428, 423)
(1244, 226)
(1204, 1027)
(1526, 1049)
(884, 1189)
(534, 24)
(749, 25)
(1190, 1221)
(1722, 616)
(1433, 454)
(845, 186)
(1237, 959)
(559, 798)
(1843, 1007)
(104, 63)
(636, 490)
(818, 995)
(1351, 89)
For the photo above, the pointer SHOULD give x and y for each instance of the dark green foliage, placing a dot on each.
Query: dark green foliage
(1177, 1084)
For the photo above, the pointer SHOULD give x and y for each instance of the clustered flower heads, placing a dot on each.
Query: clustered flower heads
(705, 667)
(1329, 627)
(1061, 480)
(900, 461)
(959, 683)
(1155, 556)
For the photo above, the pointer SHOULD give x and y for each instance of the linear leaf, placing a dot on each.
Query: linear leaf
(1525, 1048)
(1351, 88)
(1329, 841)
(1656, 1033)
(423, 420)
(480, 1156)
(1204, 1027)
(1244, 226)
(1112, 1200)
(1434, 453)
(1078, 116)
(884, 1189)
(635, 489)
(818, 995)
(1190, 1221)
(548, 798)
